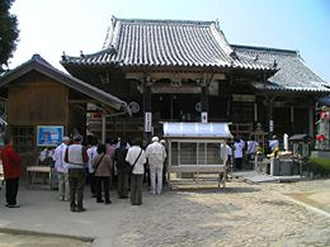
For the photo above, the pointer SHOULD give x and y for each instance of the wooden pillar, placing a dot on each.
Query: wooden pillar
(104, 129)
(205, 103)
(204, 98)
(255, 109)
(270, 116)
(147, 109)
(229, 98)
(171, 103)
(292, 119)
(311, 120)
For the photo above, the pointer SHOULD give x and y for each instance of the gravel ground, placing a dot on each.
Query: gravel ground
(241, 215)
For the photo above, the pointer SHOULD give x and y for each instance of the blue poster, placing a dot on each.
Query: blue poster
(49, 135)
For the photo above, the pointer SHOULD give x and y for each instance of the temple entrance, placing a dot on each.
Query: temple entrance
(176, 107)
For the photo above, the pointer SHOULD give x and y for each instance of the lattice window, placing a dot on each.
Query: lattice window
(189, 153)
(23, 137)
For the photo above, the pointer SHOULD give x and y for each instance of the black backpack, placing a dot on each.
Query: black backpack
(121, 163)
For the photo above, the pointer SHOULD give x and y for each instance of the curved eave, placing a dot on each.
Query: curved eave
(294, 90)
(77, 62)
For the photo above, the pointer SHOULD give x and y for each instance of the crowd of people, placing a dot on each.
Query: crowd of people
(127, 164)
(240, 153)
(119, 163)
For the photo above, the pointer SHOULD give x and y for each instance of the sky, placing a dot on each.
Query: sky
(50, 27)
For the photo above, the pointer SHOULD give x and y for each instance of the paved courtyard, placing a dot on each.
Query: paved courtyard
(290, 214)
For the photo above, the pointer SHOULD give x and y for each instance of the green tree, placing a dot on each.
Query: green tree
(8, 32)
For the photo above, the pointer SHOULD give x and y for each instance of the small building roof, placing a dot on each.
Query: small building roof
(37, 63)
(165, 43)
(196, 130)
(293, 73)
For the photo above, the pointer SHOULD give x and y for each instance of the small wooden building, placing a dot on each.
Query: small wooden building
(37, 94)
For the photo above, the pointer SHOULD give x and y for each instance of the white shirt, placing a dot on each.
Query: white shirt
(91, 153)
(252, 147)
(132, 155)
(156, 154)
(44, 154)
(229, 150)
(238, 153)
(243, 143)
(60, 164)
(273, 144)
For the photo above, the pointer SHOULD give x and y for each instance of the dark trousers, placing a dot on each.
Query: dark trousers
(239, 163)
(76, 182)
(164, 173)
(105, 181)
(136, 189)
(122, 185)
(146, 177)
(12, 190)
(92, 183)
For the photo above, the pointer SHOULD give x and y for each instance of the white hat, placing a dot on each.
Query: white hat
(162, 141)
(155, 139)
(66, 138)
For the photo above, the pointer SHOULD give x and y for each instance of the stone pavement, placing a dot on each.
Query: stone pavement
(242, 215)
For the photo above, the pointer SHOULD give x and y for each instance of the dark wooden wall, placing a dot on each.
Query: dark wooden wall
(36, 99)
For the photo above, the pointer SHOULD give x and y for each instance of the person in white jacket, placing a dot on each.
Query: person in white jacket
(156, 155)
(91, 153)
(62, 169)
(136, 158)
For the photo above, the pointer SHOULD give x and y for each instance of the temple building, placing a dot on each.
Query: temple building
(179, 70)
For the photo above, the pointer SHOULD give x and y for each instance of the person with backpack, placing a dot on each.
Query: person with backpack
(123, 169)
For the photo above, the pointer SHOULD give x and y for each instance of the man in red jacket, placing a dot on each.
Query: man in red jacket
(11, 166)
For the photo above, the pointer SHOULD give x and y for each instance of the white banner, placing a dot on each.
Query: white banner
(271, 125)
(148, 122)
(204, 117)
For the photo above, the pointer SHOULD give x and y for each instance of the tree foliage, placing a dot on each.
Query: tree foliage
(8, 32)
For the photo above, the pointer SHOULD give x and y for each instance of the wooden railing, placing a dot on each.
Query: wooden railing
(134, 126)
(241, 129)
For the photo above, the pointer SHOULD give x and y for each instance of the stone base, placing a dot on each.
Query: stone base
(321, 154)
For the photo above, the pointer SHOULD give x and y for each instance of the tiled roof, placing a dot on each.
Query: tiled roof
(39, 64)
(165, 43)
(293, 73)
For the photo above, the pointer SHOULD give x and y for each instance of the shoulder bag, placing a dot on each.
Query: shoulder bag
(98, 163)
(132, 167)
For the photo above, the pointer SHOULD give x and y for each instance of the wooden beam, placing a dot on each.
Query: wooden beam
(82, 101)
(183, 89)
(178, 76)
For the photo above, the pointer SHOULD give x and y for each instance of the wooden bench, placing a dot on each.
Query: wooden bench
(33, 171)
(198, 170)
